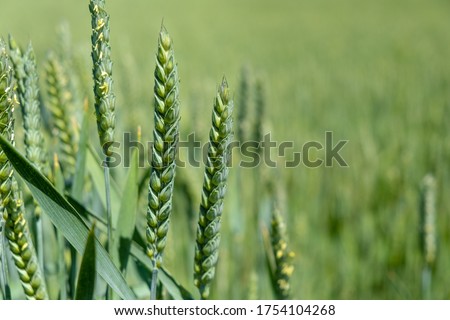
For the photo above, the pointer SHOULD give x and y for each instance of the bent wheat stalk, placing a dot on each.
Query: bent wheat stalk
(16, 227)
(213, 192)
(165, 137)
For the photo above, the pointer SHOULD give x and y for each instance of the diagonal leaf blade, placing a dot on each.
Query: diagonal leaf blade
(65, 218)
(88, 272)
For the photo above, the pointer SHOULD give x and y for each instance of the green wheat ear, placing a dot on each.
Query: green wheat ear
(213, 192)
(26, 76)
(282, 256)
(102, 74)
(165, 137)
(60, 97)
(16, 227)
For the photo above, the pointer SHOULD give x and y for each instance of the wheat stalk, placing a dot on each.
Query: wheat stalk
(213, 192)
(16, 227)
(282, 257)
(102, 74)
(60, 97)
(165, 137)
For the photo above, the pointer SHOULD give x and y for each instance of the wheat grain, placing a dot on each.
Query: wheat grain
(16, 227)
(213, 192)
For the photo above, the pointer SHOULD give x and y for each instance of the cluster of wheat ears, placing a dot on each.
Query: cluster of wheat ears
(55, 184)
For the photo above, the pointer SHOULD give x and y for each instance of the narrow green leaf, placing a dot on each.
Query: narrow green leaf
(80, 165)
(65, 218)
(127, 216)
(88, 272)
(59, 185)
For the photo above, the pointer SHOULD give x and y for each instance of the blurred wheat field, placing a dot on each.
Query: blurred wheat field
(374, 73)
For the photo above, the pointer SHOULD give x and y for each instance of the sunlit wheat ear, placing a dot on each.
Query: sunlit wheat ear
(282, 256)
(16, 227)
(213, 192)
(102, 75)
(165, 137)
(59, 99)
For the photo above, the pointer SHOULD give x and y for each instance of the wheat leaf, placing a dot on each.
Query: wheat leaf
(88, 272)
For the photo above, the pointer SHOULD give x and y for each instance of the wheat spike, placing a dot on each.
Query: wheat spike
(16, 227)
(102, 74)
(165, 137)
(60, 97)
(26, 76)
(282, 257)
(213, 192)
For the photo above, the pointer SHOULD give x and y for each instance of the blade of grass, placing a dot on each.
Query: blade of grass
(65, 218)
(127, 216)
(59, 185)
(88, 272)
